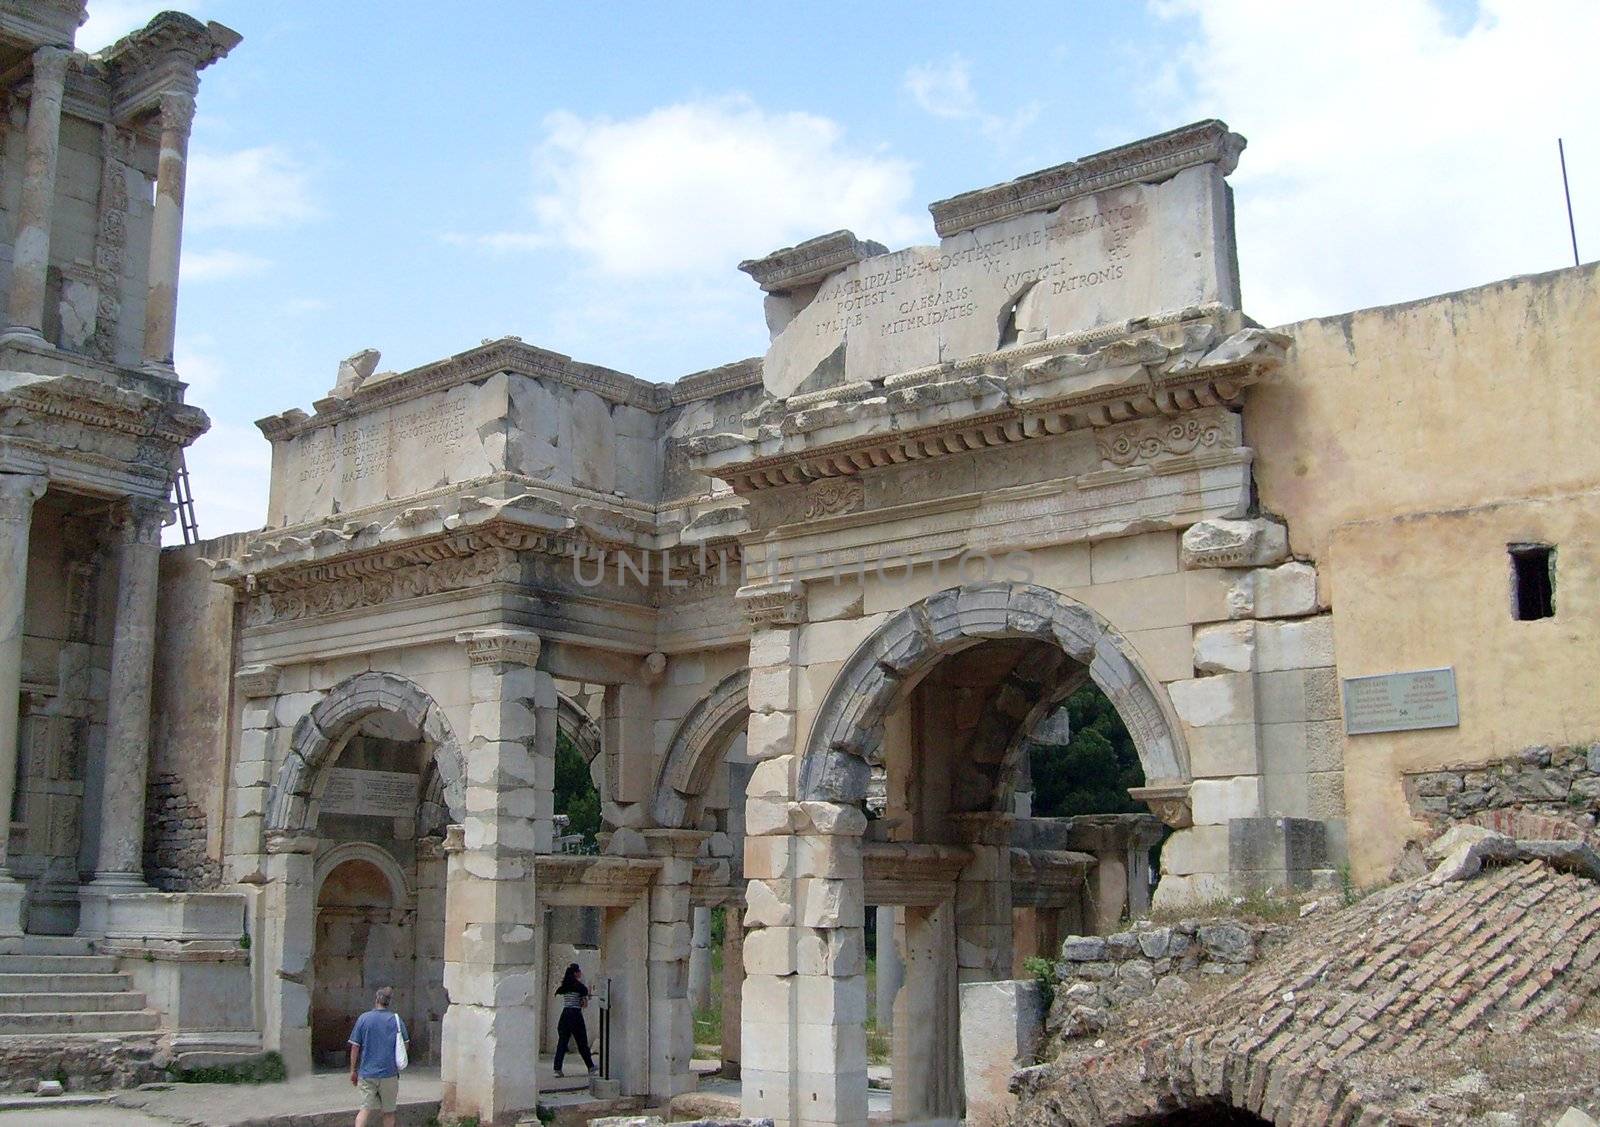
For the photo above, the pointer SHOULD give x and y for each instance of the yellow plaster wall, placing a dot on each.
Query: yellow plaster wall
(1407, 447)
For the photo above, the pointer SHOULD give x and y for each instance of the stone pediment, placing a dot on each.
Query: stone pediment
(1202, 359)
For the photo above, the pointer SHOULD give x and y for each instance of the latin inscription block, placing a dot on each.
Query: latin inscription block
(1401, 702)
(382, 794)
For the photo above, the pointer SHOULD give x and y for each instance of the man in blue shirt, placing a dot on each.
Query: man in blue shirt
(373, 1067)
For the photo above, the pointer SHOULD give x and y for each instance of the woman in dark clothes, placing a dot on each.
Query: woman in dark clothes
(574, 997)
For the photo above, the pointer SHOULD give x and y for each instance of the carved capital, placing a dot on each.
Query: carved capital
(141, 519)
(774, 604)
(494, 647)
(1167, 801)
(258, 680)
(18, 492)
(177, 112)
(50, 67)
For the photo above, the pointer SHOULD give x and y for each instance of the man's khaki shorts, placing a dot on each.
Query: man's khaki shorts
(379, 1094)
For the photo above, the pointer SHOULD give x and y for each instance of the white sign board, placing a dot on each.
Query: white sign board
(1400, 702)
(384, 794)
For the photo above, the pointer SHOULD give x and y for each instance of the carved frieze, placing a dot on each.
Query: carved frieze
(833, 496)
(381, 586)
(1149, 441)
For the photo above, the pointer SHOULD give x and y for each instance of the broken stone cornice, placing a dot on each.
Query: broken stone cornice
(811, 261)
(1151, 159)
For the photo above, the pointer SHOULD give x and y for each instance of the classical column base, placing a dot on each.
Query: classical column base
(94, 900)
(13, 901)
(23, 334)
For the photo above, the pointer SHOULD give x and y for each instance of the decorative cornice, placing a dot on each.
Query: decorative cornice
(1153, 158)
(714, 382)
(774, 604)
(1006, 397)
(255, 681)
(500, 647)
(106, 407)
(810, 261)
(42, 22)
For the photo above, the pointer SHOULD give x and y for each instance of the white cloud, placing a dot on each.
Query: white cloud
(1394, 153)
(945, 91)
(695, 187)
(212, 265)
(264, 186)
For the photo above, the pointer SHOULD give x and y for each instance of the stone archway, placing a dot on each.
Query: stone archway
(699, 739)
(321, 732)
(301, 857)
(847, 734)
(364, 901)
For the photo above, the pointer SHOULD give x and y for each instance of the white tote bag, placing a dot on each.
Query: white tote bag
(402, 1059)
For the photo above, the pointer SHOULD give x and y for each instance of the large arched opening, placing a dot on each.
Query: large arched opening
(941, 701)
(356, 824)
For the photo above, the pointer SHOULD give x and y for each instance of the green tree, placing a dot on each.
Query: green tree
(575, 794)
(1092, 773)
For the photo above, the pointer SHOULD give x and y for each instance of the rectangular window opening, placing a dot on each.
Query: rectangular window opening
(1533, 581)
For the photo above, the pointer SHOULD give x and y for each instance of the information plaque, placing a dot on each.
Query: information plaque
(1400, 702)
(383, 794)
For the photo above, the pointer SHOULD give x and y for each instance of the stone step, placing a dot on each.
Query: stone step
(136, 1021)
(46, 945)
(57, 964)
(50, 1002)
(63, 983)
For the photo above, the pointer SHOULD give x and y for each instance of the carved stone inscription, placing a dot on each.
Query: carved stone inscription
(1126, 252)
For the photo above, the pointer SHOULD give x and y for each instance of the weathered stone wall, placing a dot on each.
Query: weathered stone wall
(1545, 792)
(190, 729)
(93, 1064)
(1096, 974)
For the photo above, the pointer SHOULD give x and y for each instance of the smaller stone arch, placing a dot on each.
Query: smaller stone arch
(321, 733)
(847, 734)
(699, 738)
(403, 896)
(579, 727)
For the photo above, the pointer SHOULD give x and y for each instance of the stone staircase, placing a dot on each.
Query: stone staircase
(55, 988)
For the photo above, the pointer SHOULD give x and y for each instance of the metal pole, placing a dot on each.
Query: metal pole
(1572, 230)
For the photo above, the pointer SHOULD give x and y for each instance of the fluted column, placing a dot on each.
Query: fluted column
(30, 255)
(18, 492)
(166, 230)
(119, 865)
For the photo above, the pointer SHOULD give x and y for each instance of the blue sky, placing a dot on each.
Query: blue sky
(417, 177)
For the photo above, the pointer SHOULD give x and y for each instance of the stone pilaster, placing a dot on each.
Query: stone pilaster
(288, 910)
(18, 492)
(700, 960)
(30, 261)
(166, 230)
(493, 972)
(671, 1012)
(119, 864)
(804, 1045)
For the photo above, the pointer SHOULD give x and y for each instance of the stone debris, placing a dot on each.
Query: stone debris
(1424, 1002)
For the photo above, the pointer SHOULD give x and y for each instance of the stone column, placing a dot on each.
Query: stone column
(927, 1069)
(119, 865)
(492, 970)
(671, 1018)
(30, 254)
(18, 492)
(166, 230)
(891, 969)
(732, 989)
(700, 960)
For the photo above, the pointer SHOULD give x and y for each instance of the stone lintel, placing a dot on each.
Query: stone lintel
(810, 261)
(1151, 159)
